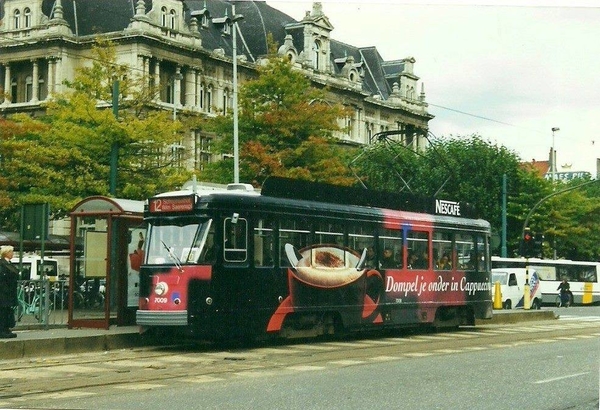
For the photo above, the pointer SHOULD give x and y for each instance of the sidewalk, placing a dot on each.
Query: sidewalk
(61, 340)
(58, 341)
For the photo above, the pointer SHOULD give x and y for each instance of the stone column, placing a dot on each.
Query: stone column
(7, 89)
(36, 83)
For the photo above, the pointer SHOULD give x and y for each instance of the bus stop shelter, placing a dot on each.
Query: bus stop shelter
(107, 237)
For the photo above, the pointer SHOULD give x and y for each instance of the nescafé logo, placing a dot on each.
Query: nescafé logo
(447, 207)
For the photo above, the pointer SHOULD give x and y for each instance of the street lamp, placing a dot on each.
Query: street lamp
(553, 156)
(231, 22)
(236, 144)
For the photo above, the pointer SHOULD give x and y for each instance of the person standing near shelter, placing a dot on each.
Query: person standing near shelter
(9, 278)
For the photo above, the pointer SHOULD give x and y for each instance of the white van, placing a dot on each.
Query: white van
(32, 267)
(512, 287)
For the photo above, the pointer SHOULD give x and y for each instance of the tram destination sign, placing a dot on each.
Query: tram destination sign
(171, 204)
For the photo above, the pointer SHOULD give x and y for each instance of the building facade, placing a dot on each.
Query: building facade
(185, 49)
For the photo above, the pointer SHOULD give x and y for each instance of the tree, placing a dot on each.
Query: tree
(286, 128)
(571, 224)
(64, 156)
(466, 169)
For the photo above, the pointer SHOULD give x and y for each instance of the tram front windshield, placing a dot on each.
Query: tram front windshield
(180, 241)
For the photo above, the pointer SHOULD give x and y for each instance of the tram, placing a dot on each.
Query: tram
(303, 259)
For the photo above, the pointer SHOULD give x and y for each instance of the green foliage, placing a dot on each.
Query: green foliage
(65, 156)
(285, 128)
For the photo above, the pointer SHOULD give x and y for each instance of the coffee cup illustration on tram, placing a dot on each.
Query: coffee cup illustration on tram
(324, 276)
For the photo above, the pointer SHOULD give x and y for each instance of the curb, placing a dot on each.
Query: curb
(18, 349)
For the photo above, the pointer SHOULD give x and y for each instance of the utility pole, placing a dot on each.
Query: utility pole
(114, 149)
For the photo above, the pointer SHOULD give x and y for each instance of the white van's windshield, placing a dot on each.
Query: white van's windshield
(499, 277)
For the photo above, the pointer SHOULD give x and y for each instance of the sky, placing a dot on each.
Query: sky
(508, 71)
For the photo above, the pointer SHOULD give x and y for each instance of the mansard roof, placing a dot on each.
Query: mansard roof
(260, 19)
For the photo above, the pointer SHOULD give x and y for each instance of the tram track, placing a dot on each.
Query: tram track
(189, 361)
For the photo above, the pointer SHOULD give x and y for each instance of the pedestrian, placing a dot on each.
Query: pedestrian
(565, 293)
(9, 278)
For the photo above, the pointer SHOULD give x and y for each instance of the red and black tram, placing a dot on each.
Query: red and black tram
(303, 259)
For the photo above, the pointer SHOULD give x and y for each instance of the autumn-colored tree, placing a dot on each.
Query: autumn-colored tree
(64, 156)
(286, 128)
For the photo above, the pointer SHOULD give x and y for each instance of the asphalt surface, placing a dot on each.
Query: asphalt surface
(62, 340)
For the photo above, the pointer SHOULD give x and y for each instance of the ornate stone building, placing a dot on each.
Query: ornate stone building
(185, 48)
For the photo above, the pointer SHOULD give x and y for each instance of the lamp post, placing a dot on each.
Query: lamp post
(236, 144)
(553, 159)
(232, 22)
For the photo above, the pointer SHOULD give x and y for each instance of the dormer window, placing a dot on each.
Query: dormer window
(203, 16)
(27, 13)
(317, 50)
(226, 29)
(17, 19)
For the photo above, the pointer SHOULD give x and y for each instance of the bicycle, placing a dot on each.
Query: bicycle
(30, 301)
(568, 300)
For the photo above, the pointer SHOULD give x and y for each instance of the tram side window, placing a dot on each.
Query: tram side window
(442, 251)
(295, 232)
(235, 244)
(418, 250)
(390, 246)
(466, 254)
(263, 243)
(360, 237)
(329, 234)
(482, 259)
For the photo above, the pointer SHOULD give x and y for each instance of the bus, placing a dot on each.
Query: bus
(582, 276)
(303, 259)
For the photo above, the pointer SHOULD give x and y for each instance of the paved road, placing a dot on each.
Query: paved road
(100, 380)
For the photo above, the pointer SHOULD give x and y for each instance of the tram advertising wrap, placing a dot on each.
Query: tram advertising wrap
(237, 263)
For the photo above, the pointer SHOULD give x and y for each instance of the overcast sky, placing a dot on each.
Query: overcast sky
(507, 72)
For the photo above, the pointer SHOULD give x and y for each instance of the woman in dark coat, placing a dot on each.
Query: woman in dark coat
(9, 277)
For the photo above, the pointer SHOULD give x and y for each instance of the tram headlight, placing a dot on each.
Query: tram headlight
(161, 288)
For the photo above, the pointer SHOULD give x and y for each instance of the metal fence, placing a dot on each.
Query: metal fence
(42, 303)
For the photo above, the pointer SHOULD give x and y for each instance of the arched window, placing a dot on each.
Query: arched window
(201, 96)
(42, 92)
(225, 100)
(27, 14)
(13, 90)
(17, 19)
(28, 88)
(209, 91)
(163, 16)
(172, 19)
(317, 50)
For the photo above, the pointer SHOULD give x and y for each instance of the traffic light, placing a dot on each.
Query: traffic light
(527, 244)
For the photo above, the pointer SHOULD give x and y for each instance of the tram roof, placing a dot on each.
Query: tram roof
(293, 195)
